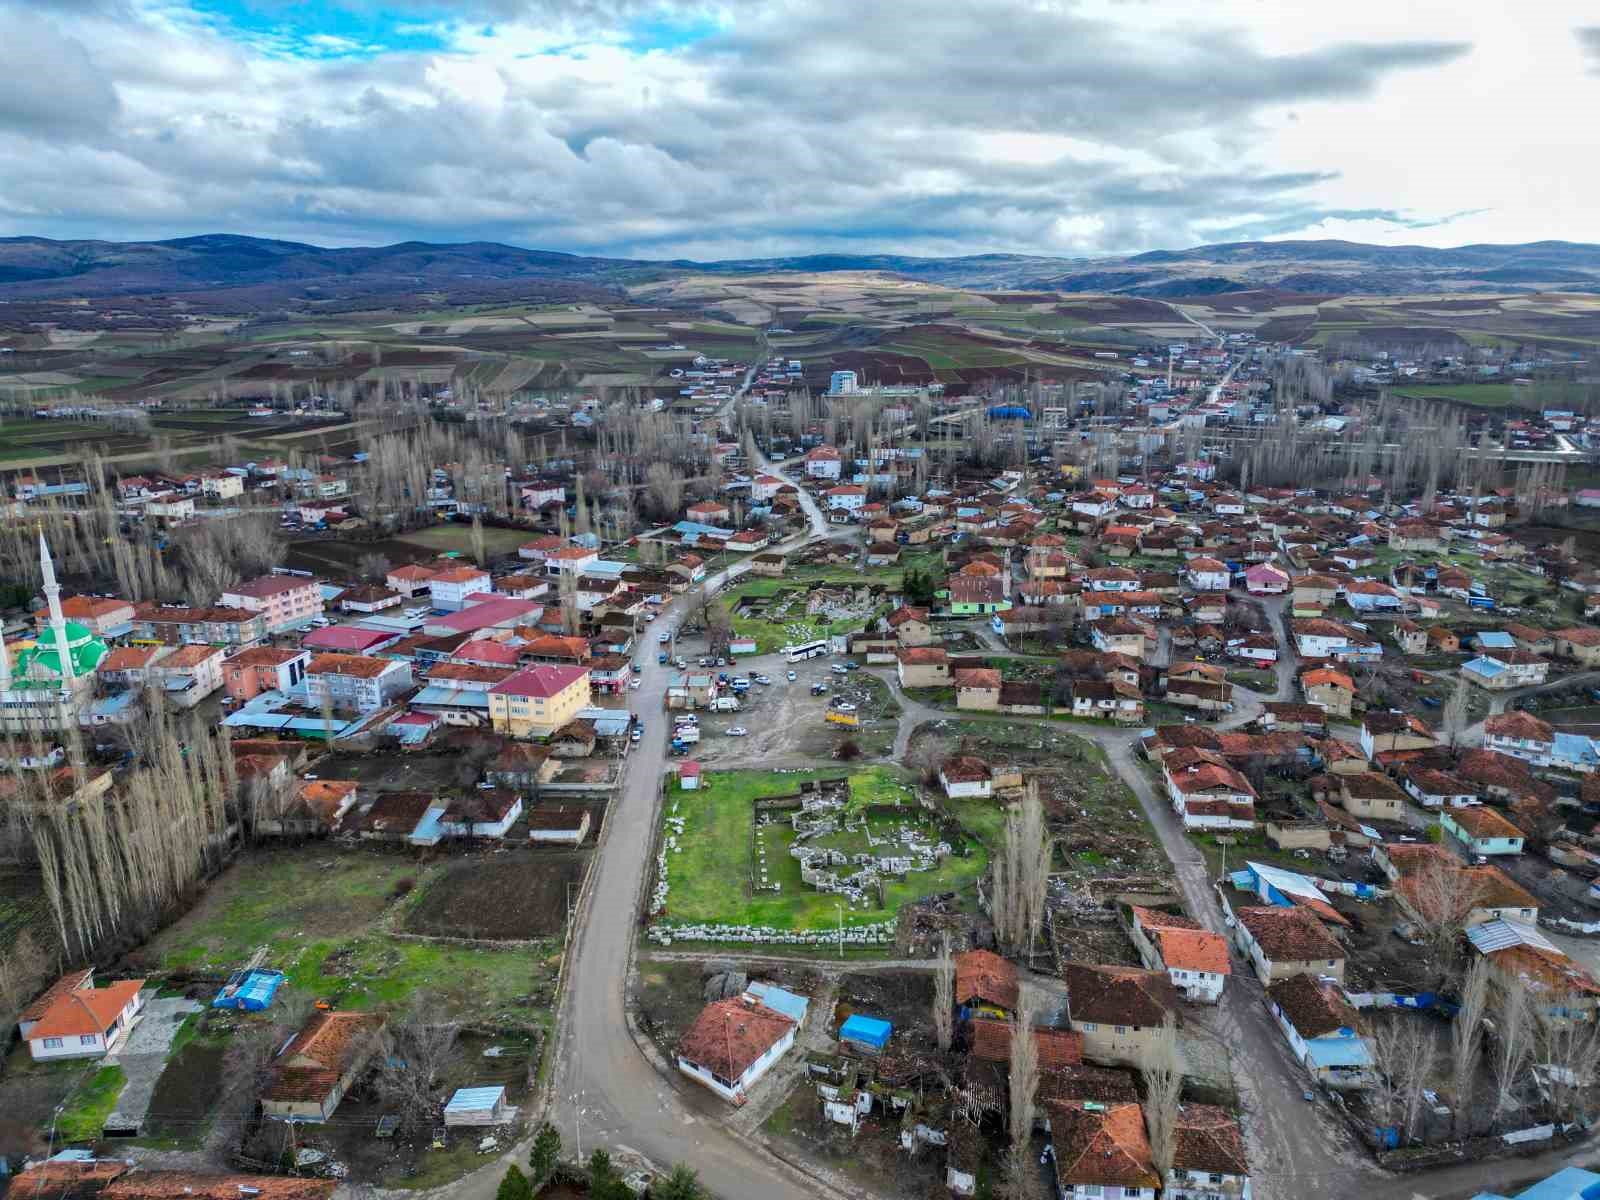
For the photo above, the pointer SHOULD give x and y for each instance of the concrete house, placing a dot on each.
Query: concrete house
(1194, 958)
(1208, 1158)
(1119, 1011)
(966, 776)
(977, 688)
(1101, 1150)
(1520, 735)
(1329, 689)
(910, 626)
(1388, 731)
(1482, 831)
(283, 601)
(732, 1044)
(1322, 1030)
(1206, 792)
(1580, 643)
(1280, 942)
(318, 1067)
(75, 1019)
(353, 683)
(922, 666)
(1369, 796)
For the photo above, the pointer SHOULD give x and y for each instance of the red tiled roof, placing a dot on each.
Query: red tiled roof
(983, 975)
(729, 1035)
(85, 1010)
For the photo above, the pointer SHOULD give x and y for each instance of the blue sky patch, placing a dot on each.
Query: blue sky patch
(326, 28)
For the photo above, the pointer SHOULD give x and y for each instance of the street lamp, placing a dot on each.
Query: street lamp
(839, 904)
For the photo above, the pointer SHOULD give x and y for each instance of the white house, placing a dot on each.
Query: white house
(1520, 735)
(966, 776)
(732, 1044)
(823, 462)
(1206, 574)
(1317, 638)
(1194, 958)
(1207, 793)
(75, 1019)
(1208, 1156)
(847, 497)
(451, 587)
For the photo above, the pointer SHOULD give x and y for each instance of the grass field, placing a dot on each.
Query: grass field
(709, 876)
(796, 626)
(1478, 395)
(91, 1104)
(325, 919)
(458, 537)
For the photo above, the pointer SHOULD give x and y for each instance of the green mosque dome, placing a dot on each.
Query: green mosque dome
(42, 662)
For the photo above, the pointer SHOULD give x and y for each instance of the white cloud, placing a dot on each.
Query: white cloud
(793, 126)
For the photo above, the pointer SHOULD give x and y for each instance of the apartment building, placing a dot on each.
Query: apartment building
(284, 601)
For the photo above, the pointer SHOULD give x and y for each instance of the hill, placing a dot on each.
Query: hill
(250, 273)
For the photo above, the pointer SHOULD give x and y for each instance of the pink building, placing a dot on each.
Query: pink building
(283, 601)
(263, 669)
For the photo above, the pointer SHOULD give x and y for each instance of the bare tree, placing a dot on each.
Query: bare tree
(1513, 1029)
(1466, 1036)
(1023, 1077)
(1445, 895)
(1163, 1082)
(417, 1046)
(373, 566)
(1021, 875)
(1406, 1052)
(1567, 1046)
(944, 995)
(1456, 715)
(665, 487)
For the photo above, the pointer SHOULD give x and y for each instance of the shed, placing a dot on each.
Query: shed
(479, 1106)
(865, 1033)
(689, 775)
(250, 991)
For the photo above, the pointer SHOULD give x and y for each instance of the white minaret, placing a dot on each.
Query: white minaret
(5, 665)
(52, 597)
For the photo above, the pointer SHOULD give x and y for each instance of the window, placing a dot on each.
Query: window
(88, 1039)
(52, 1043)
(1090, 1027)
(1332, 962)
(1122, 1029)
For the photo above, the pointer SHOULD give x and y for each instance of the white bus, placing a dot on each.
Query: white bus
(805, 650)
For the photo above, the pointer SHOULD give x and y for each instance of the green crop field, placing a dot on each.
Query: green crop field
(458, 537)
(1479, 395)
(709, 875)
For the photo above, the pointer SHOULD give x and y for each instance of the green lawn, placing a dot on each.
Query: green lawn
(90, 1105)
(1479, 395)
(454, 536)
(709, 876)
(796, 626)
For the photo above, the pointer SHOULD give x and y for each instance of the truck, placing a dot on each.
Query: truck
(688, 735)
(725, 704)
(837, 717)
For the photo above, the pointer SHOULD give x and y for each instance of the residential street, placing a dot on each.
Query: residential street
(604, 1091)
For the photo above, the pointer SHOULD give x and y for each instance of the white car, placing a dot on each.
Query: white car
(737, 731)
(664, 638)
(633, 685)
(793, 677)
(762, 679)
(837, 669)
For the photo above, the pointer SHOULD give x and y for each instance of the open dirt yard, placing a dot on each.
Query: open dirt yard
(530, 891)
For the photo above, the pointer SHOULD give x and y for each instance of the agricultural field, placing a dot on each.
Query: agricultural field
(1475, 395)
(328, 921)
(710, 876)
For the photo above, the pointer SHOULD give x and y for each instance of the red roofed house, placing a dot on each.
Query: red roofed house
(318, 1066)
(409, 580)
(75, 1019)
(732, 1044)
(537, 701)
(985, 983)
(353, 683)
(1194, 958)
(922, 666)
(284, 601)
(1101, 1150)
(823, 462)
(451, 587)
(1207, 793)
(263, 669)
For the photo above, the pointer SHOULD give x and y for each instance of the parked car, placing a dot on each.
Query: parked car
(664, 638)
(793, 677)
(737, 731)
(633, 685)
(637, 734)
(763, 679)
(837, 669)
(852, 665)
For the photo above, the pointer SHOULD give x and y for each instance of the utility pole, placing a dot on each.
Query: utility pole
(840, 905)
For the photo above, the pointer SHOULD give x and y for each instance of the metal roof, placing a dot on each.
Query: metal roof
(1501, 934)
(475, 1099)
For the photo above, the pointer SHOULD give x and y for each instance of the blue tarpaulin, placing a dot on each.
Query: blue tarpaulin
(251, 990)
(867, 1032)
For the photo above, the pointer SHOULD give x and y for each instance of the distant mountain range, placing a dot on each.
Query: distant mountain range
(260, 270)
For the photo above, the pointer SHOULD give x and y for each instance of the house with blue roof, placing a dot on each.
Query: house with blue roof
(1569, 1183)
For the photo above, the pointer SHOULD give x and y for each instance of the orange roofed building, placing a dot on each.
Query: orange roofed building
(75, 1019)
(320, 1065)
(1194, 958)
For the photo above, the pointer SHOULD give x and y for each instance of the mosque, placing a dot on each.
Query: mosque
(43, 690)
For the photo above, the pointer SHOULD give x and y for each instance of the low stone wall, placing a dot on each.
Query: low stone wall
(880, 933)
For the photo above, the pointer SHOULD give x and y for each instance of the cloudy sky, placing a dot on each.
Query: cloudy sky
(669, 128)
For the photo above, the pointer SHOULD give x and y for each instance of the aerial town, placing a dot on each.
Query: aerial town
(1175, 776)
